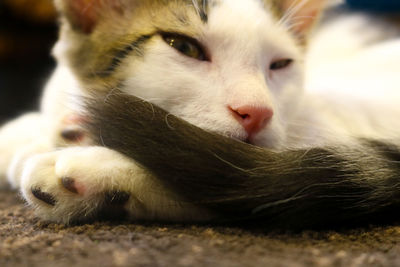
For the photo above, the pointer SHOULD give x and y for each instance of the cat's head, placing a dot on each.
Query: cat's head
(230, 66)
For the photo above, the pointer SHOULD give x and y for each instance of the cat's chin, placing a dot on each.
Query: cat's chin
(246, 139)
(254, 142)
(269, 139)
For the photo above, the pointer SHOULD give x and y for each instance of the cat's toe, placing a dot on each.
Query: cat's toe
(52, 198)
(70, 184)
(72, 131)
(43, 196)
(72, 134)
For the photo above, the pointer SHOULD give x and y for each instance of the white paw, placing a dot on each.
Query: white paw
(84, 183)
(15, 135)
(80, 184)
(21, 155)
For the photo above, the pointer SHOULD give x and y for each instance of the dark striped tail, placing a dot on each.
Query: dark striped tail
(327, 186)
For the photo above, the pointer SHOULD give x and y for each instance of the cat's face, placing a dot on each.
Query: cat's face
(229, 66)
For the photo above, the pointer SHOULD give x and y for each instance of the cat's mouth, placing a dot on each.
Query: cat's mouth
(254, 141)
(246, 139)
(250, 141)
(242, 137)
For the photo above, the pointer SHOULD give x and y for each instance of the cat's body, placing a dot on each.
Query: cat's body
(243, 80)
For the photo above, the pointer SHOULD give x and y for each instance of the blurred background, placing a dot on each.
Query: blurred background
(28, 30)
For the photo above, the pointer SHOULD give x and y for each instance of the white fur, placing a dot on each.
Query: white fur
(148, 201)
(356, 78)
(238, 74)
(15, 136)
(17, 165)
(344, 98)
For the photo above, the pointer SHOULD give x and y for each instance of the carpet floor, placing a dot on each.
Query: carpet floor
(27, 241)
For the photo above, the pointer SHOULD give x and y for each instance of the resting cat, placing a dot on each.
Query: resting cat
(243, 80)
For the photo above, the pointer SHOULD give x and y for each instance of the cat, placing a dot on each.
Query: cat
(245, 81)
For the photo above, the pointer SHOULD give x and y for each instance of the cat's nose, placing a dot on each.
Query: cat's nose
(253, 119)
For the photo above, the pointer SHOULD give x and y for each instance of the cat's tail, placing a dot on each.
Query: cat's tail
(243, 183)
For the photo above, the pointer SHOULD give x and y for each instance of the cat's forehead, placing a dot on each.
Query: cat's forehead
(190, 16)
(203, 8)
(241, 12)
(270, 6)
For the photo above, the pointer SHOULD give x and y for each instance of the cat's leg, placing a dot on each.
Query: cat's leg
(32, 134)
(21, 155)
(15, 136)
(79, 184)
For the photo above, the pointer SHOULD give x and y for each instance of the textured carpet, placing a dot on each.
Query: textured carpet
(26, 241)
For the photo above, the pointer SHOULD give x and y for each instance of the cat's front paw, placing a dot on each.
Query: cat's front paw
(81, 184)
(15, 136)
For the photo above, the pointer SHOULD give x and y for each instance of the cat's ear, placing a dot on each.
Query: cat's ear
(300, 15)
(84, 15)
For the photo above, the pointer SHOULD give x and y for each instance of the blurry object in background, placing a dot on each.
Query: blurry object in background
(386, 10)
(38, 11)
(27, 33)
(25, 26)
(376, 5)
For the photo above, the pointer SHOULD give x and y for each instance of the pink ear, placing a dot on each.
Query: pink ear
(85, 14)
(301, 14)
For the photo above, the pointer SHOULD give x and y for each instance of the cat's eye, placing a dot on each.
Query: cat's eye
(185, 45)
(280, 64)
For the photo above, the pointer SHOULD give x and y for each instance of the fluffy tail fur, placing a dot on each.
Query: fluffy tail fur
(326, 186)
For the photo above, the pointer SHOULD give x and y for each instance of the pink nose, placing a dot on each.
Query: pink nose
(253, 119)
